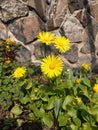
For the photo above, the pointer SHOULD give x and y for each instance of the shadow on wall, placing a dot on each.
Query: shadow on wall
(90, 32)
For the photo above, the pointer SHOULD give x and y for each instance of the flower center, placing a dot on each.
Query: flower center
(51, 66)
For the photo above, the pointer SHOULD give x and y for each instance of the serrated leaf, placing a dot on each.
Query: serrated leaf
(38, 112)
(16, 110)
(69, 83)
(72, 112)
(20, 122)
(29, 85)
(51, 103)
(25, 99)
(32, 116)
(73, 127)
(94, 110)
(86, 126)
(42, 112)
(67, 100)
(86, 81)
(22, 83)
(48, 120)
(62, 119)
(77, 121)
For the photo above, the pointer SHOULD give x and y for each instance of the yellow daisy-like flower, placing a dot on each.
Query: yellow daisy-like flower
(86, 66)
(95, 88)
(19, 72)
(9, 41)
(52, 66)
(62, 43)
(46, 37)
(7, 60)
(78, 99)
(77, 81)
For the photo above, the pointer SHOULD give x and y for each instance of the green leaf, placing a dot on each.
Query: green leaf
(72, 112)
(25, 99)
(22, 83)
(86, 81)
(16, 110)
(77, 121)
(20, 122)
(30, 70)
(29, 85)
(94, 110)
(62, 119)
(57, 106)
(88, 117)
(73, 127)
(48, 120)
(51, 103)
(42, 112)
(69, 83)
(94, 128)
(69, 73)
(67, 101)
(32, 116)
(86, 126)
(83, 87)
(38, 112)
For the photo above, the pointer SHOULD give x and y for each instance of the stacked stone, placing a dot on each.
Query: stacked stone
(77, 20)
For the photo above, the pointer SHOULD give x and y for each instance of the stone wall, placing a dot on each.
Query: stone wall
(77, 20)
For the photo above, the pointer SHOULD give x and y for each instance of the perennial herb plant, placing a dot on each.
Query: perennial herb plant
(55, 97)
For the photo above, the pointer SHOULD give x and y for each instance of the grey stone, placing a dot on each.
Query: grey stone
(11, 9)
(72, 29)
(84, 59)
(39, 6)
(75, 5)
(55, 13)
(3, 31)
(82, 16)
(23, 55)
(72, 54)
(26, 29)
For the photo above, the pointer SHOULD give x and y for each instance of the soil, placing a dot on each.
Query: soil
(7, 123)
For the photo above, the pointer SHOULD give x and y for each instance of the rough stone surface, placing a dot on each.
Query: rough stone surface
(26, 29)
(3, 31)
(12, 9)
(70, 28)
(82, 16)
(69, 54)
(21, 56)
(39, 6)
(77, 20)
(75, 5)
(93, 7)
(56, 13)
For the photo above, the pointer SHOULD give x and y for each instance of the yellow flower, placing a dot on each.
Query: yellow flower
(77, 81)
(62, 43)
(19, 72)
(78, 99)
(32, 97)
(8, 60)
(95, 88)
(86, 66)
(8, 48)
(9, 41)
(46, 37)
(52, 66)
(36, 90)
